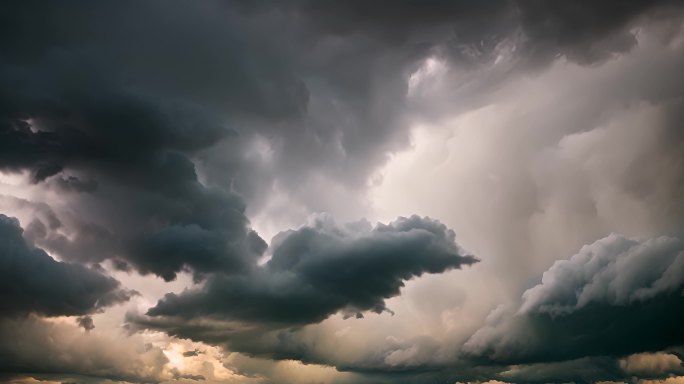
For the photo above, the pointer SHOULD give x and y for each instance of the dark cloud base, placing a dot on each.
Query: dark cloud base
(615, 297)
(33, 282)
(320, 270)
(142, 118)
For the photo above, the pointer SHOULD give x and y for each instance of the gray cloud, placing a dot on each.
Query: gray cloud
(323, 84)
(100, 107)
(194, 352)
(160, 219)
(583, 370)
(33, 282)
(315, 272)
(613, 271)
(356, 60)
(659, 365)
(615, 297)
(86, 322)
(160, 127)
(559, 159)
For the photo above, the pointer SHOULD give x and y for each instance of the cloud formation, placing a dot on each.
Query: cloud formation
(159, 138)
(58, 349)
(613, 271)
(316, 271)
(33, 282)
(615, 297)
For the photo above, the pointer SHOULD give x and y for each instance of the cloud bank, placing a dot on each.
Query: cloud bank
(176, 147)
(615, 297)
(33, 282)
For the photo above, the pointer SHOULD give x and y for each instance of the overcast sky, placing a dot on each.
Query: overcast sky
(319, 191)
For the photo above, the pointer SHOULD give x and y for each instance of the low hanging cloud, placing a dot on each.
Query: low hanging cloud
(155, 131)
(62, 350)
(615, 297)
(659, 365)
(85, 107)
(86, 322)
(33, 282)
(316, 271)
(148, 200)
(613, 271)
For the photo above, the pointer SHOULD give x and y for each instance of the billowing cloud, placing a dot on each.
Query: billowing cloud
(316, 271)
(126, 113)
(174, 139)
(147, 203)
(615, 297)
(614, 271)
(33, 282)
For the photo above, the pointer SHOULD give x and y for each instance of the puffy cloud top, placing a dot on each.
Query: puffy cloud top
(614, 270)
(321, 269)
(615, 297)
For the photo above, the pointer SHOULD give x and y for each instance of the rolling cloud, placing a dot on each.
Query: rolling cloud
(315, 272)
(33, 282)
(615, 297)
(158, 159)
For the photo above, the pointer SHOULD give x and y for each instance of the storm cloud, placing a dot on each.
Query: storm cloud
(179, 146)
(33, 282)
(53, 349)
(615, 297)
(319, 270)
(125, 109)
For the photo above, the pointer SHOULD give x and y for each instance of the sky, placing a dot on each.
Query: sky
(319, 191)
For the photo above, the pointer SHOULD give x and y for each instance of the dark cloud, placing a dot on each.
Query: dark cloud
(86, 322)
(179, 376)
(356, 59)
(615, 297)
(122, 109)
(596, 368)
(194, 352)
(317, 271)
(583, 370)
(122, 137)
(33, 282)
(614, 271)
(160, 219)
(73, 183)
(128, 95)
(410, 357)
(583, 31)
(156, 123)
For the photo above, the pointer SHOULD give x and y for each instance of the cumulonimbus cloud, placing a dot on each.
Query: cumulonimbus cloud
(317, 271)
(155, 125)
(33, 282)
(615, 297)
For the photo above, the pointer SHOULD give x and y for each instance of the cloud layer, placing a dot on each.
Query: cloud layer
(615, 297)
(33, 282)
(314, 272)
(178, 146)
